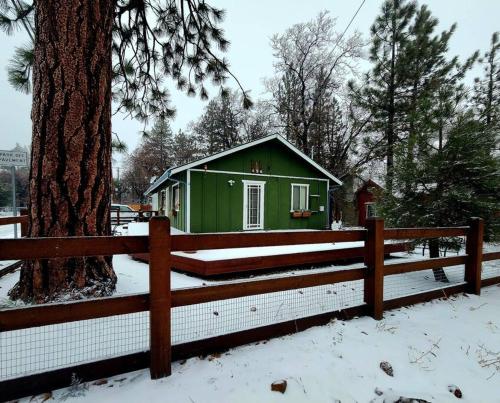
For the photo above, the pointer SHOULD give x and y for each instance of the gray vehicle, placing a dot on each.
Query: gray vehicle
(122, 214)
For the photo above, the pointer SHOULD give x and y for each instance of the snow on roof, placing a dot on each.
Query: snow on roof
(172, 171)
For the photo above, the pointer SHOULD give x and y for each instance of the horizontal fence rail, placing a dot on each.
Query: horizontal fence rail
(487, 256)
(416, 233)
(47, 248)
(433, 263)
(164, 306)
(190, 296)
(51, 314)
(23, 219)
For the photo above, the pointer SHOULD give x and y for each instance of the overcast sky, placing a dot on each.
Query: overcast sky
(249, 25)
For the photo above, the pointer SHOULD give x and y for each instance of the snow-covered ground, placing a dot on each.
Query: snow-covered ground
(433, 348)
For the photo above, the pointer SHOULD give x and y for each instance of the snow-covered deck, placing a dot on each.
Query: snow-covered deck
(212, 262)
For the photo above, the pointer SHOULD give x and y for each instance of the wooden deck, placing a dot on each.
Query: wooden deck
(209, 268)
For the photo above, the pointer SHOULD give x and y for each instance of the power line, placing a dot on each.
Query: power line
(350, 22)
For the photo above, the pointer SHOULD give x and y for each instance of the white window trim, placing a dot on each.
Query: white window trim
(245, 204)
(188, 201)
(306, 185)
(367, 204)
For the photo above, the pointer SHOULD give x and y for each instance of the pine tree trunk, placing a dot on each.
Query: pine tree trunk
(439, 274)
(70, 178)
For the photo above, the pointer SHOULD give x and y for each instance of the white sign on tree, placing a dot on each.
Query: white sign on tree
(14, 159)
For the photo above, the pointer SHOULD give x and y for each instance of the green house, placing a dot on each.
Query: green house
(267, 184)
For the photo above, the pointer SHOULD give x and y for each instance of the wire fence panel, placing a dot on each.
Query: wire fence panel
(44, 348)
(200, 321)
(39, 349)
(490, 269)
(400, 285)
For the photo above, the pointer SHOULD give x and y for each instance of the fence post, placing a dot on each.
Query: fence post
(24, 224)
(159, 297)
(474, 250)
(374, 261)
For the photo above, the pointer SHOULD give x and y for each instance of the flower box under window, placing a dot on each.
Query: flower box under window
(301, 214)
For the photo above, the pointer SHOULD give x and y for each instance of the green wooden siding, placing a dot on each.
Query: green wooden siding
(179, 219)
(216, 206)
(275, 159)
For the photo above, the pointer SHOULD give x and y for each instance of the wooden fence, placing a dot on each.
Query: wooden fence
(14, 220)
(118, 218)
(161, 299)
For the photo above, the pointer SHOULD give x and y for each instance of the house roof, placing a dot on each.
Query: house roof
(174, 170)
(368, 183)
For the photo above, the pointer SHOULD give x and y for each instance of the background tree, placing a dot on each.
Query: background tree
(310, 101)
(218, 127)
(80, 49)
(382, 90)
(432, 97)
(5, 195)
(186, 148)
(225, 123)
(22, 184)
(312, 61)
(136, 177)
(487, 88)
(152, 157)
(452, 183)
(157, 147)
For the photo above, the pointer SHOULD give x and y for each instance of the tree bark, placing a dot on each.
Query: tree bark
(70, 178)
(439, 273)
(391, 112)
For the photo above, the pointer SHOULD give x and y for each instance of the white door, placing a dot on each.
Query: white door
(253, 205)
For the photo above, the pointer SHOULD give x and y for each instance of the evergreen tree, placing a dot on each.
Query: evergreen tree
(432, 97)
(186, 148)
(157, 147)
(219, 128)
(452, 184)
(85, 53)
(433, 88)
(154, 155)
(487, 89)
(5, 195)
(383, 91)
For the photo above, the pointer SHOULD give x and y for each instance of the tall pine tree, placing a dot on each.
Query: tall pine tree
(84, 53)
(382, 92)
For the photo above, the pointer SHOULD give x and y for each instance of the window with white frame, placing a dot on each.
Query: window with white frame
(253, 205)
(300, 197)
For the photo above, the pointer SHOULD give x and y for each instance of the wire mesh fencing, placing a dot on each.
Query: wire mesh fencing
(490, 269)
(400, 285)
(200, 321)
(44, 348)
